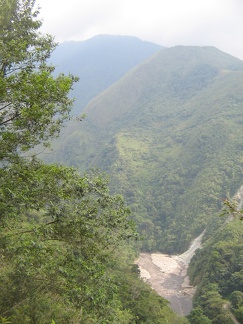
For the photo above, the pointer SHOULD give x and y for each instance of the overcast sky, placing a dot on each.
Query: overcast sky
(166, 22)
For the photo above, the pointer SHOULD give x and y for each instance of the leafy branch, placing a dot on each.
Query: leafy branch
(231, 208)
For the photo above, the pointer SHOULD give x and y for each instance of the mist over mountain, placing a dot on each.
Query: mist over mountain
(99, 62)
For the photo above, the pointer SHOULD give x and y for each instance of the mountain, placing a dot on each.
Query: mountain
(99, 62)
(169, 134)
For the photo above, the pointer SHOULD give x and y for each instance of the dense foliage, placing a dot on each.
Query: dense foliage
(30, 96)
(169, 134)
(218, 272)
(64, 239)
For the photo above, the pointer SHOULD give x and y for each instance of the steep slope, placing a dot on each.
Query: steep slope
(170, 135)
(99, 62)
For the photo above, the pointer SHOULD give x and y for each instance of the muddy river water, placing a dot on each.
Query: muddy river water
(167, 275)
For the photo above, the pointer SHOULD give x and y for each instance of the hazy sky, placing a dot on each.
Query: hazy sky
(167, 22)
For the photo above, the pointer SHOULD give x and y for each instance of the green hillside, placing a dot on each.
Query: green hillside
(169, 134)
(217, 271)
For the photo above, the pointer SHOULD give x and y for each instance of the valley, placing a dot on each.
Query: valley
(169, 135)
(167, 275)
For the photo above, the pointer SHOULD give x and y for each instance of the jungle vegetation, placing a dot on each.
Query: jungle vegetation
(169, 135)
(65, 240)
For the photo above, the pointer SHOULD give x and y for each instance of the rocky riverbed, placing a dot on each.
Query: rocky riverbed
(167, 275)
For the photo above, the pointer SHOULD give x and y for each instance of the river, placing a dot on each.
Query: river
(167, 275)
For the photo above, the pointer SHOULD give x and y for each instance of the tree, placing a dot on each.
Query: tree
(58, 258)
(33, 104)
(231, 208)
(58, 229)
(196, 316)
(236, 299)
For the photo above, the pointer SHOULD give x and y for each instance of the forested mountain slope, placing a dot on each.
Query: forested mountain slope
(169, 134)
(217, 270)
(99, 62)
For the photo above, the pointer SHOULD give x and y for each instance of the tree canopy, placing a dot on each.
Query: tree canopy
(56, 226)
(62, 235)
(33, 104)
